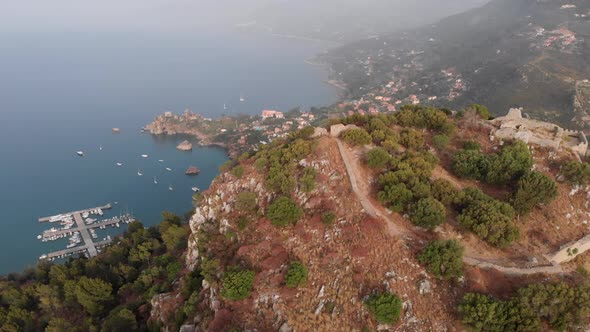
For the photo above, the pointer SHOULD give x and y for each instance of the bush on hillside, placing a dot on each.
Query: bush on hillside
(471, 145)
(441, 141)
(491, 220)
(444, 191)
(428, 213)
(470, 164)
(532, 189)
(513, 162)
(237, 284)
(296, 275)
(246, 201)
(356, 137)
(283, 212)
(308, 179)
(576, 172)
(444, 259)
(385, 307)
(238, 171)
(412, 139)
(377, 158)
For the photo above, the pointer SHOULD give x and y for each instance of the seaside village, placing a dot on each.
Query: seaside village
(245, 132)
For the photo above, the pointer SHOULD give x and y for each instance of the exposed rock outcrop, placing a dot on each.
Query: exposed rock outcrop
(185, 146)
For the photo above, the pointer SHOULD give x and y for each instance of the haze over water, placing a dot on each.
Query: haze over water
(64, 86)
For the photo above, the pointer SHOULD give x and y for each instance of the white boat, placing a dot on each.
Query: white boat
(39, 237)
(100, 148)
(43, 256)
(139, 173)
(168, 169)
(85, 215)
(155, 180)
(195, 189)
(99, 211)
(161, 160)
(80, 153)
(144, 156)
(119, 164)
(170, 188)
(242, 98)
(224, 106)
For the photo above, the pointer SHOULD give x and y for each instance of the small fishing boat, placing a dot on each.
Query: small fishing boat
(155, 180)
(119, 164)
(139, 173)
(161, 160)
(195, 189)
(169, 169)
(80, 153)
(170, 188)
(242, 98)
(144, 156)
(39, 237)
(224, 106)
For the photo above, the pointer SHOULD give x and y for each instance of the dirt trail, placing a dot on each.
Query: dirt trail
(363, 193)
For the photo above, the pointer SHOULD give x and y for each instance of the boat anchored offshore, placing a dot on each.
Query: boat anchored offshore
(139, 173)
(170, 188)
(80, 153)
(155, 180)
(119, 164)
(168, 169)
(195, 189)
(144, 156)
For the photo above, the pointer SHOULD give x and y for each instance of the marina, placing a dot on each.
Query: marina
(81, 230)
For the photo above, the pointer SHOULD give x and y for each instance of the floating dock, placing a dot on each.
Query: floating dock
(89, 247)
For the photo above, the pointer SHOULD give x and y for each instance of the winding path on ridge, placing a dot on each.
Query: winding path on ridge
(395, 222)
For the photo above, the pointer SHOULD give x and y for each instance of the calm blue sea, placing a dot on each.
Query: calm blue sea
(63, 91)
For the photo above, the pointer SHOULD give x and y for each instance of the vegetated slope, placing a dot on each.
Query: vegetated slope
(284, 241)
(509, 52)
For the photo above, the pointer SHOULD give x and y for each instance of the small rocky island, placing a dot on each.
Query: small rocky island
(192, 171)
(185, 146)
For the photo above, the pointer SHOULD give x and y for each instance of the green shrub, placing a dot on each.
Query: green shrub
(296, 275)
(444, 191)
(428, 213)
(238, 171)
(444, 259)
(328, 218)
(412, 139)
(483, 313)
(532, 189)
(491, 220)
(237, 284)
(470, 164)
(440, 141)
(576, 172)
(308, 179)
(396, 197)
(481, 110)
(385, 307)
(510, 164)
(471, 145)
(356, 137)
(377, 158)
(284, 211)
(246, 201)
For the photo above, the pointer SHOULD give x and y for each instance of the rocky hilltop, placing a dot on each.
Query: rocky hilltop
(334, 233)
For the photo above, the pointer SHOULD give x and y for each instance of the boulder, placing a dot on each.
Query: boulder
(192, 170)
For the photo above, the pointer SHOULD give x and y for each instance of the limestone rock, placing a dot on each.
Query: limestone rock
(185, 146)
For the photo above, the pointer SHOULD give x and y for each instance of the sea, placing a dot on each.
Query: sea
(63, 91)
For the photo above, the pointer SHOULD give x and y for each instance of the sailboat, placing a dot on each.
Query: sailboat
(155, 180)
(224, 106)
(139, 172)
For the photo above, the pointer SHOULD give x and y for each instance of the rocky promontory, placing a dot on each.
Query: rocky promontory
(185, 146)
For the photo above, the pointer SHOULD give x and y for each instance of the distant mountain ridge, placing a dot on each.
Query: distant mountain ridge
(350, 20)
(528, 53)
